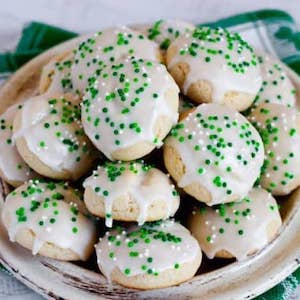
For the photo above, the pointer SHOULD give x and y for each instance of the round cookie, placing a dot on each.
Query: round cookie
(164, 32)
(130, 108)
(130, 192)
(13, 169)
(214, 154)
(49, 219)
(215, 65)
(279, 127)
(49, 137)
(156, 255)
(56, 75)
(237, 229)
(276, 86)
(106, 47)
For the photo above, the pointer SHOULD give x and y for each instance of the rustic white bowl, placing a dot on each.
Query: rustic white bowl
(56, 280)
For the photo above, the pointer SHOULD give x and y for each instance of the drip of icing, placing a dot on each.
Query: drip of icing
(164, 32)
(12, 166)
(123, 105)
(37, 245)
(39, 207)
(106, 47)
(220, 149)
(276, 85)
(150, 249)
(239, 228)
(279, 127)
(12, 231)
(219, 57)
(143, 183)
(53, 132)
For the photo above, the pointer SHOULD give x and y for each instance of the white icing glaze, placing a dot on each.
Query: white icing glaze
(225, 74)
(279, 127)
(143, 183)
(62, 145)
(164, 32)
(59, 72)
(12, 166)
(106, 47)
(276, 85)
(147, 248)
(52, 212)
(220, 149)
(239, 228)
(123, 105)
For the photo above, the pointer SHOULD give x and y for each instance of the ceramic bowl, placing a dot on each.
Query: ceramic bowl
(217, 280)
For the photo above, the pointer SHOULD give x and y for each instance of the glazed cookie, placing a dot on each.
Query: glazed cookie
(276, 85)
(279, 127)
(164, 32)
(130, 192)
(56, 75)
(130, 108)
(214, 65)
(49, 137)
(13, 169)
(156, 255)
(214, 154)
(108, 46)
(237, 229)
(49, 219)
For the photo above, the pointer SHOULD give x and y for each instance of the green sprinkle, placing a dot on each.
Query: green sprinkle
(149, 259)
(127, 271)
(201, 171)
(293, 132)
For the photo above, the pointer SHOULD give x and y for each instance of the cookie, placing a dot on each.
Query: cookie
(164, 32)
(130, 108)
(156, 255)
(49, 137)
(106, 47)
(237, 229)
(56, 75)
(130, 192)
(214, 154)
(49, 219)
(215, 65)
(13, 169)
(276, 86)
(279, 127)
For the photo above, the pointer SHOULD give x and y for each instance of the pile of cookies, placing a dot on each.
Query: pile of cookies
(224, 117)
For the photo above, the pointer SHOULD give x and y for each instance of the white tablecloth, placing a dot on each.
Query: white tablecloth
(88, 15)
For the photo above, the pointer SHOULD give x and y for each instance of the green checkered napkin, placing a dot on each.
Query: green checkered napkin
(273, 31)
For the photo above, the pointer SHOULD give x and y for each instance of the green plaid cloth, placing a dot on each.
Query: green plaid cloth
(273, 31)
